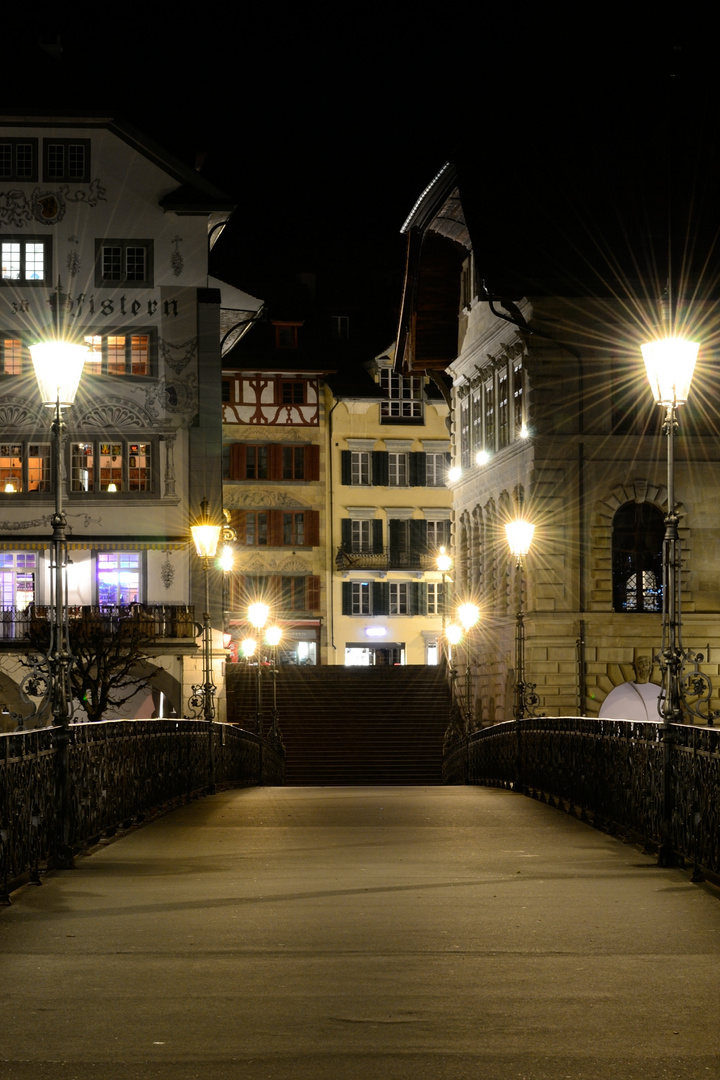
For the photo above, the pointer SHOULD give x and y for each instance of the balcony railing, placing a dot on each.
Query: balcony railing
(159, 620)
(385, 560)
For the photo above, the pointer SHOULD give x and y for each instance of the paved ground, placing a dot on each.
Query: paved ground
(347, 933)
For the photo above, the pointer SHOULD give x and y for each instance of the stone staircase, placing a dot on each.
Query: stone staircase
(351, 725)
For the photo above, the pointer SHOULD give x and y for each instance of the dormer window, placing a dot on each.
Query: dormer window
(405, 396)
(286, 335)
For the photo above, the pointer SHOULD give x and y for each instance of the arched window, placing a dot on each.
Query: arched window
(638, 530)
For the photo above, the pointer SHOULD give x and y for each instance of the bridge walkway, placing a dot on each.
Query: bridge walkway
(367, 932)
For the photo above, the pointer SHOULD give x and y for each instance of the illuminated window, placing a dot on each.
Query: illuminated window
(118, 577)
(17, 578)
(26, 261)
(13, 356)
(121, 354)
(110, 466)
(24, 467)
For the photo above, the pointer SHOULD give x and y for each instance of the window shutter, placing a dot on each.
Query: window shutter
(345, 467)
(275, 462)
(418, 537)
(414, 588)
(313, 592)
(275, 528)
(347, 597)
(346, 534)
(312, 528)
(421, 598)
(377, 536)
(274, 592)
(237, 461)
(312, 462)
(397, 538)
(238, 523)
(380, 598)
(417, 470)
(379, 476)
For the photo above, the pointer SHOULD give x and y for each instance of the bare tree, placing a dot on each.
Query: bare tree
(110, 660)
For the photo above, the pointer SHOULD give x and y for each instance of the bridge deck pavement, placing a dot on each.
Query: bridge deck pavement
(346, 933)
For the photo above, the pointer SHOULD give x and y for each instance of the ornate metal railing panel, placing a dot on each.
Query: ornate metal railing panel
(159, 620)
(385, 560)
(607, 771)
(120, 771)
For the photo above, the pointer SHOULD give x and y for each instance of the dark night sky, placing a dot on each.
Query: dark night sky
(326, 125)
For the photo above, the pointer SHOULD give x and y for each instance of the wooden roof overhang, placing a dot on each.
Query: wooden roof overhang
(438, 241)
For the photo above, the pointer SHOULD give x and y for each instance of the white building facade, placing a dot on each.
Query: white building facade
(96, 219)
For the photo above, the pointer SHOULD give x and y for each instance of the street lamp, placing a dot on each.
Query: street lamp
(258, 617)
(670, 363)
(58, 366)
(273, 636)
(519, 536)
(206, 534)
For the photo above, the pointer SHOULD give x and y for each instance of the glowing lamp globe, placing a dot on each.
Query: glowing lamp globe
(468, 614)
(519, 537)
(58, 366)
(258, 615)
(670, 364)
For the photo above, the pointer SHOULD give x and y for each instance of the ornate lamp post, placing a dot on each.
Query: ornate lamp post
(273, 636)
(519, 536)
(453, 636)
(58, 366)
(206, 534)
(468, 614)
(670, 363)
(258, 617)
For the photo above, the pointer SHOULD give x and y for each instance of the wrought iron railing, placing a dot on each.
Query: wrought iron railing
(120, 772)
(385, 560)
(160, 620)
(610, 772)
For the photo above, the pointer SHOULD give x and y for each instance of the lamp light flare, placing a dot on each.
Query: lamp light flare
(482, 457)
(258, 615)
(58, 366)
(227, 558)
(670, 363)
(205, 534)
(519, 536)
(444, 561)
(453, 633)
(248, 647)
(468, 614)
(454, 473)
(273, 635)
